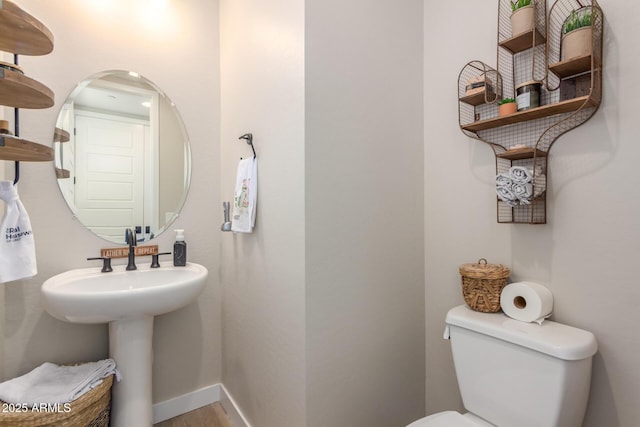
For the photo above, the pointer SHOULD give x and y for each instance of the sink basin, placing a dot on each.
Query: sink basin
(128, 302)
(88, 296)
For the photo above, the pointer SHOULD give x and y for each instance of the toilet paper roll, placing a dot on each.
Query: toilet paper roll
(526, 301)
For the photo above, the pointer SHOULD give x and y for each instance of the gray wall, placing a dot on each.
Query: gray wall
(324, 300)
(586, 252)
(263, 273)
(178, 50)
(364, 213)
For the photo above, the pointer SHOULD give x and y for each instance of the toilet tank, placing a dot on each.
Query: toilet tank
(513, 373)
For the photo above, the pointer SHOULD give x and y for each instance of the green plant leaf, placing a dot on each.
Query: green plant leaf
(517, 4)
(577, 19)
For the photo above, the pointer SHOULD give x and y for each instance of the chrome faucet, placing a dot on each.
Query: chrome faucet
(131, 239)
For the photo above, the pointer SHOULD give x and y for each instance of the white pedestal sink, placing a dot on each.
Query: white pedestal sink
(128, 301)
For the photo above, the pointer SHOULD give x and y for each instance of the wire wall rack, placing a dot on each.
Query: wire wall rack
(570, 91)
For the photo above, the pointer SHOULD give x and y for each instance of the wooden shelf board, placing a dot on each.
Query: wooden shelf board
(521, 153)
(62, 173)
(20, 91)
(475, 99)
(571, 67)
(522, 41)
(521, 221)
(61, 135)
(21, 33)
(532, 114)
(17, 149)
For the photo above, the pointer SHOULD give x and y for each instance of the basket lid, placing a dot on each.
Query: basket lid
(483, 270)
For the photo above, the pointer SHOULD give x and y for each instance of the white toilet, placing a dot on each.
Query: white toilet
(516, 374)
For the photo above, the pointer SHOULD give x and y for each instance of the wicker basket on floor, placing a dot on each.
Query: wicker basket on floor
(92, 409)
(482, 284)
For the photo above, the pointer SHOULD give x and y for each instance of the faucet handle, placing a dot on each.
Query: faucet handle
(154, 259)
(106, 263)
(130, 237)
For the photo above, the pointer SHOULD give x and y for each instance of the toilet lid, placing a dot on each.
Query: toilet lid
(444, 419)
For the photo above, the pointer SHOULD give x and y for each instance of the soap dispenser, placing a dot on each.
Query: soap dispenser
(180, 250)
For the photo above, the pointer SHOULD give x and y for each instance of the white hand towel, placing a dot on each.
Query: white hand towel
(506, 195)
(246, 196)
(50, 383)
(520, 174)
(17, 246)
(523, 192)
(503, 180)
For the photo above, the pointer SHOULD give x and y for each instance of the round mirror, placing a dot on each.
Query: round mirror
(122, 156)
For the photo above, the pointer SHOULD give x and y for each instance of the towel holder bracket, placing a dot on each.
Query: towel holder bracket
(249, 138)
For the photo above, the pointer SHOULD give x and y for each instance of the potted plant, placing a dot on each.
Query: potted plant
(577, 34)
(523, 16)
(507, 106)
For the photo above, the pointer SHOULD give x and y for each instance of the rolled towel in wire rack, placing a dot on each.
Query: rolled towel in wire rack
(506, 195)
(519, 186)
(520, 174)
(523, 192)
(503, 180)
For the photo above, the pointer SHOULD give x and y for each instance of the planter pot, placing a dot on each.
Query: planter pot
(523, 20)
(506, 109)
(577, 43)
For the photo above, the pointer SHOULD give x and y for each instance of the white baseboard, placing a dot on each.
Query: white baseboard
(187, 402)
(236, 416)
(197, 399)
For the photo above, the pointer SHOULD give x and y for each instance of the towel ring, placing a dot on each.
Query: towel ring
(249, 138)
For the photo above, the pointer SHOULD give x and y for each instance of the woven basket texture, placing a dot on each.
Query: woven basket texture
(92, 409)
(482, 284)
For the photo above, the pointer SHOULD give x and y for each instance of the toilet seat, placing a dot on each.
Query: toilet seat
(445, 419)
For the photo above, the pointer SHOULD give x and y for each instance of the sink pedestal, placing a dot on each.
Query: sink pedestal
(130, 345)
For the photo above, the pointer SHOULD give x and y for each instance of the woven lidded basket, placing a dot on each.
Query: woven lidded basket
(482, 284)
(92, 409)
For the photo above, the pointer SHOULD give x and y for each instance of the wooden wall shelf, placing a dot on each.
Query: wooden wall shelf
(62, 173)
(21, 33)
(523, 42)
(17, 149)
(534, 113)
(572, 67)
(475, 99)
(521, 153)
(20, 91)
(61, 135)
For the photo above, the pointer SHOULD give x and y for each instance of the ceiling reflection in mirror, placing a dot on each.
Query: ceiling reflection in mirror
(122, 157)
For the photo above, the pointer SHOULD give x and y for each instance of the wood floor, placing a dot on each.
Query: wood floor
(212, 415)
